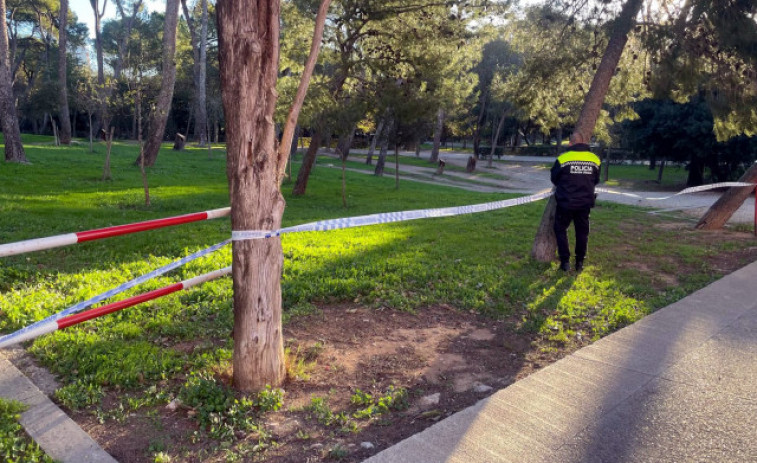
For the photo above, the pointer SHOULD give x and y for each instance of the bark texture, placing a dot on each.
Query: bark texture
(63, 116)
(545, 246)
(308, 161)
(479, 123)
(437, 136)
(157, 125)
(495, 137)
(384, 144)
(14, 150)
(719, 213)
(248, 55)
(379, 128)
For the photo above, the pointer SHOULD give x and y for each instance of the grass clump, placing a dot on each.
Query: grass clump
(217, 409)
(395, 399)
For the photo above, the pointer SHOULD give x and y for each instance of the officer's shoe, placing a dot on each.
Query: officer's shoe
(565, 266)
(579, 265)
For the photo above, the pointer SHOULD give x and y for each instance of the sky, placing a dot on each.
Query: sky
(83, 10)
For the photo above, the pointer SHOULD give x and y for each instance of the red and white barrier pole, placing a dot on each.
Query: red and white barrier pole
(71, 320)
(39, 244)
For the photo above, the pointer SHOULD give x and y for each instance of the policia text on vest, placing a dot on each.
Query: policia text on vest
(574, 174)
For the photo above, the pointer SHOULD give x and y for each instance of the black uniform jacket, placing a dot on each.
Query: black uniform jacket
(574, 174)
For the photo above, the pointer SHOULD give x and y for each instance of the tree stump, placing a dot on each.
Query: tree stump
(178, 143)
(471, 164)
(440, 169)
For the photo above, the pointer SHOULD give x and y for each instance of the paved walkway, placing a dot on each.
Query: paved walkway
(58, 435)
(678, 386)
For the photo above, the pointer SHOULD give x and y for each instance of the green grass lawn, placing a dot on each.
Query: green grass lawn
(637, 263)
(642, 178)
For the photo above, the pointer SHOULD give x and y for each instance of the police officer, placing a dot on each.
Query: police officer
(575, 173)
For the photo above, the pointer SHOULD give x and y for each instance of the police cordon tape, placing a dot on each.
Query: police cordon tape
(50, 242)
(11, 338)
(694, 189)
(389, 217)
(43, 327)
(55, 322)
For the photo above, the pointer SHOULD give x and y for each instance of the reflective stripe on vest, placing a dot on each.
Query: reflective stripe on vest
(578, 156)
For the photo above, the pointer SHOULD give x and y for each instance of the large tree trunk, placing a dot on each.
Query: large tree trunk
(548, 245)
(720, 212)
(345, 143)
(248, 56)
(544, 246)
(376, 136)
(98, 39)
(198, 40)
(696, 173)
(201, 116)
(479, 123)
(14, 150)
(437, 136)
(102, 93)
(381, 162)
(157, 126)
(495, 137)
(63, 116)
(307, 164)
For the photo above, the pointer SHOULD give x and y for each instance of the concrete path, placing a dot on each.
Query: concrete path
(678, 386)
(57, 434)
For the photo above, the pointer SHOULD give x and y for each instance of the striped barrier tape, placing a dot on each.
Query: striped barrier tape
(695, 189)
(39, 244)
(65, 322)
(388, 217)
(46, 325)
(112, 292)
(51, 323)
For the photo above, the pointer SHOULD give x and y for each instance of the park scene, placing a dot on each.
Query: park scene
(324, 231)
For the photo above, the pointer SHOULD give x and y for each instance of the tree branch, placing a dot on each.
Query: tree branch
(286, 138)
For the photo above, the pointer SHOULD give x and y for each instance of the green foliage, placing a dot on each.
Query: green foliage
(394, 399)
(683, 132)
(78, 394)
(218, 410)
(15, 445)
(269, 400)
(320, 410)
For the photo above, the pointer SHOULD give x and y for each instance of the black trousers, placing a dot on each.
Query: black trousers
(580, 219)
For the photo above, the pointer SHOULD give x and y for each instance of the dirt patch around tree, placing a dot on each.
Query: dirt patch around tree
(445, 359)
